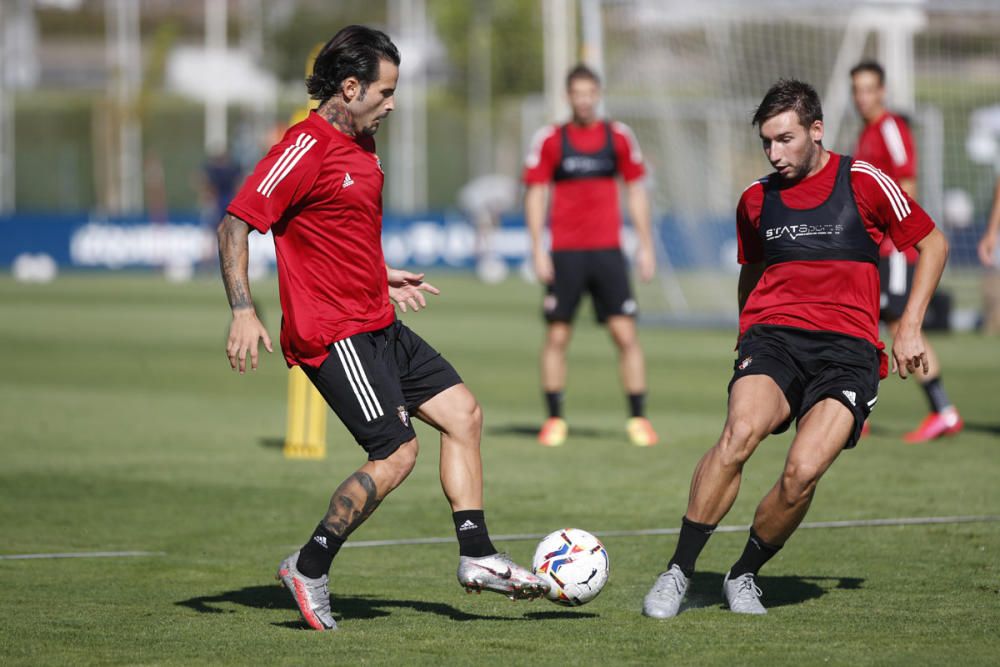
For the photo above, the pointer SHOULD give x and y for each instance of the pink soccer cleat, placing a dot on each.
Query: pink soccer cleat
(936, 425)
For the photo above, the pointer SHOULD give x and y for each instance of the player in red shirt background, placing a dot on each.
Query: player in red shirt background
(887, 144)
(319, 191)
(808, 291)
(578, 163)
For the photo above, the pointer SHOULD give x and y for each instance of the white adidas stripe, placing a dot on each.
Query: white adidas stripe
(350, 379)
(891, 190)
(361, 369)
(289, 158)
(298, 156)
(894, 141)
(873, 401)
(634, 152)
(279, 163)
(891, 184)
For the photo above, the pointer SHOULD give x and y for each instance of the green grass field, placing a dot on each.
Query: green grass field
(122, 428)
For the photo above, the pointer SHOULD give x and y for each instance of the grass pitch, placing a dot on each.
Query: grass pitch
(122, 428)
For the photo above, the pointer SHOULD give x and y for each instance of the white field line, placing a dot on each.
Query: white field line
(83, 554)
(857, 523)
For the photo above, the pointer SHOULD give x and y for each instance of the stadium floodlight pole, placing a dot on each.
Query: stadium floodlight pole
(125, 61)
(592, 25)
(216, 126)
(408, 125)
(559, 34)
(6, 128)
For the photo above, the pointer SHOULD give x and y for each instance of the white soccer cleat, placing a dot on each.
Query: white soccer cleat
(312, 596)
(743, 595)
(664, 599)
(498, 573)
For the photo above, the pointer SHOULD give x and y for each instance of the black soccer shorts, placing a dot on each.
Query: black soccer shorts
(375, 381)
(810, 366)
(603, 273)
(895, 278)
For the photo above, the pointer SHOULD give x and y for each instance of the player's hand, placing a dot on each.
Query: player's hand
(543, 267)
(909, 354)
(245, 334)
(987, 247)
(406, 289)
(645, 260)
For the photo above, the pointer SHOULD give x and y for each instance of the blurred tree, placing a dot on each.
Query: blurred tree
(516, 37)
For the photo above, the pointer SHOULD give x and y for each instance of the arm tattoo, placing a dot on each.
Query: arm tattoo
(233, 255)
(353, 502)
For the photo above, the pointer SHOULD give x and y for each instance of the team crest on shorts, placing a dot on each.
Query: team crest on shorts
(746, 362)
(404, 416)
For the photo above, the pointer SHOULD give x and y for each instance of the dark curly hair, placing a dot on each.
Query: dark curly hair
(790, 95)
(354, 51)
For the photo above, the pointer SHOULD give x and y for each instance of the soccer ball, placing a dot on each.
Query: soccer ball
(574, 563)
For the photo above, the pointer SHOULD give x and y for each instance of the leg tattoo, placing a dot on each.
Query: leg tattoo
(353, 502)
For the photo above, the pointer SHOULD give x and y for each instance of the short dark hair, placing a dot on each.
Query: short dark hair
(355, 51)
(870, 66)
(581, 71)
(790, 95)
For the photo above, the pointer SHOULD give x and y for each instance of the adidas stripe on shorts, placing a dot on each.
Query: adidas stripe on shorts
(376, 381)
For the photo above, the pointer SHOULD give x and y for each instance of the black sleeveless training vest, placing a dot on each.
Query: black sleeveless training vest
(577, 164)
(833, 230)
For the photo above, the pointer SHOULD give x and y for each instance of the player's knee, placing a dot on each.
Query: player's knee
(739, 439)
(472, 418)
(798, 482)
(402, 461)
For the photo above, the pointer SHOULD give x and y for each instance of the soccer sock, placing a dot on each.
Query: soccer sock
(755, 554)
(473, 538)
(317, 554)
(637, 404)
(936, 395)
(692, 540)
(553, 400)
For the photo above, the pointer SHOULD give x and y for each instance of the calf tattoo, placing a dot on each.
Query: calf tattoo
(353, 502)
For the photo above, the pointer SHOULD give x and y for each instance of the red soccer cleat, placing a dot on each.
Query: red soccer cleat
(936, 425)
(866, 429)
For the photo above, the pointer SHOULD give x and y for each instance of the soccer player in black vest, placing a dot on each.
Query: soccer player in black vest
(580, 160)
(808, 348)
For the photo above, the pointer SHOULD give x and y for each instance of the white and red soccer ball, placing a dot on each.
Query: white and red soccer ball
(574, 563)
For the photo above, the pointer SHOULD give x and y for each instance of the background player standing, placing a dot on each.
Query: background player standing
(808, 292)
(887, 144)
(319, 191)
(581, 160)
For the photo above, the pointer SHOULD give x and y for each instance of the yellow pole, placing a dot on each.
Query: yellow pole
(305, 436)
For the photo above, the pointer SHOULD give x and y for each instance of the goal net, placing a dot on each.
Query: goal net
(687, 77)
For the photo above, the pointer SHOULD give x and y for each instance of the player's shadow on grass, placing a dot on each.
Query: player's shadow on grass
(991, 429)
(272, 443)
(352, 608)
(705, 589)
(531, 431)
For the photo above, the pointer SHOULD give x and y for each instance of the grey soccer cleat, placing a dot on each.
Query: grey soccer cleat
(311, 595)
(500, 574)
(743, 595)
(664, 599)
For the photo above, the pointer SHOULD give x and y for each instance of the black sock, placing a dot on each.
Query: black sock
(553, 401)
(637, 404)
(317, 554)
(755, 554)
(692, 540)
(473, 538)
(936, 395)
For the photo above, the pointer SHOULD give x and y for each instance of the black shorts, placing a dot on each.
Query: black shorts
(602, 273)
(895, 278)
(810, 366)
(374, 381)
